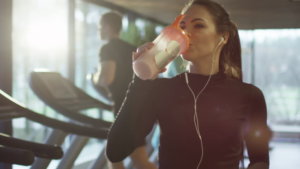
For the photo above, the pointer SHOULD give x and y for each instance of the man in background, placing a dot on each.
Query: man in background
(115, 66)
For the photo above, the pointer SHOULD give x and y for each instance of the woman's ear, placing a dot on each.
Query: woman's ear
(225, 37)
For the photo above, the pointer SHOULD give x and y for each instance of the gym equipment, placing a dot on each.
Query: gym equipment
(70, 101)
(10, 109)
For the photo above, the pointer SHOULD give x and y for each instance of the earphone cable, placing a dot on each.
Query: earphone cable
(195, 117)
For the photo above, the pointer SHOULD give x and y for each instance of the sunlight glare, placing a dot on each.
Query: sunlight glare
(45, 36)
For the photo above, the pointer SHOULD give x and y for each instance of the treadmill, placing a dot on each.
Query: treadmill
(67, 99)
(11, 109)
(16, 156)
(17, 151)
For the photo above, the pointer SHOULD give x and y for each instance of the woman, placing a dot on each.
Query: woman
(206, 114)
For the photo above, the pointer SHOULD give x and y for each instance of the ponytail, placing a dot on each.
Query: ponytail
(230, 58)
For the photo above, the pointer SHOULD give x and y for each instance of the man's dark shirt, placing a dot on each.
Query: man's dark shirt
(120, 52)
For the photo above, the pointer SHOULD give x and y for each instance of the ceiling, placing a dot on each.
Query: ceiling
(247, 14)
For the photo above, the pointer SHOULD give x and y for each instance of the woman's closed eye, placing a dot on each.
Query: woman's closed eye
(182, 25)
(198, 26)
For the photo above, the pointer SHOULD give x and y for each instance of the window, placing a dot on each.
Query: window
(271, 63)
(39, 42)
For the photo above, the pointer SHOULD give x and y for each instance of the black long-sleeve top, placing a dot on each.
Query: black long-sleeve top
(230, 113)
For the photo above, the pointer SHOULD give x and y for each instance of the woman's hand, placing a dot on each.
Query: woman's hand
(141, 50)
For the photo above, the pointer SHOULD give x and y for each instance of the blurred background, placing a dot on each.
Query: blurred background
(62, 36)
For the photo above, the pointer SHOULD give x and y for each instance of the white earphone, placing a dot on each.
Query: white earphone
(195, 97)
(222, 38)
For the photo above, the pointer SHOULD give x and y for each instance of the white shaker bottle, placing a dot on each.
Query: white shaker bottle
(170, 43)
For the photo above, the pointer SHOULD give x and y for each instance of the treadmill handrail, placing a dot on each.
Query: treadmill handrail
(10, 115)
(39, 150)
(100, 103)
(5, 109)
(16, 156)
(47, 98)
(88, 131)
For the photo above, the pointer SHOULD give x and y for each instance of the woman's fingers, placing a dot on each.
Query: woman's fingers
(134, 56)
(142, 49)
(163, 70)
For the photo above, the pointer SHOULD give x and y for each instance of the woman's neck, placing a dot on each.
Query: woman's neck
(204, 66)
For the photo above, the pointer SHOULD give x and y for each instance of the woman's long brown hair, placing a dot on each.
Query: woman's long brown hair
(230, 57)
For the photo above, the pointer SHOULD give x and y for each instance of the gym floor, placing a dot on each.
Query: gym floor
(283, 155)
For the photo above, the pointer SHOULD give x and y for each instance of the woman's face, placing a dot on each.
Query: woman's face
(198, 23)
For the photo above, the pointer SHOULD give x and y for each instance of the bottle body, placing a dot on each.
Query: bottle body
(167, 46)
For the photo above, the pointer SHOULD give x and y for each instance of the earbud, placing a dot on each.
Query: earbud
(222, 39)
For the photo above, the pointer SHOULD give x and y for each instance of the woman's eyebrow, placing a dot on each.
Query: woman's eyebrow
(197, 19)
(193, 20)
